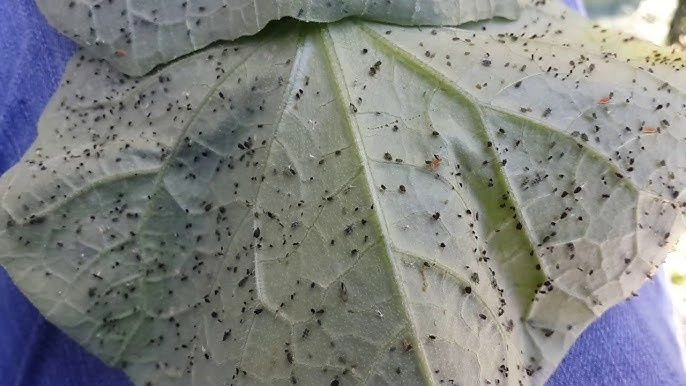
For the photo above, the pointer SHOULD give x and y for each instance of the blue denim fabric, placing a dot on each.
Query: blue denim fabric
(576, 4)
(632, 344)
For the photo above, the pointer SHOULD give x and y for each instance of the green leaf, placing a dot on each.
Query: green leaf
(137, 35)
(352, 201)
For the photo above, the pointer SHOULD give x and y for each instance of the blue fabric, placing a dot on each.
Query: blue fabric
(632, 344)
(576, 4)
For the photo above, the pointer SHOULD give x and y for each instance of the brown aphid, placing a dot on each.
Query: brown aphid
(648, 130)
(406, 345)
(604, 100)
(435, 163)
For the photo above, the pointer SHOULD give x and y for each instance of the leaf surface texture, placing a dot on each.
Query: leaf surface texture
(352, 202)
(137, 35)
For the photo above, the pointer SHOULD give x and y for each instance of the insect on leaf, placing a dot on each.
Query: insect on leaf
(273, 210)
(137, 35)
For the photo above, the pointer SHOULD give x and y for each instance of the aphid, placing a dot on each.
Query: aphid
(343, 293)
(375, 68)
(435, 163)
(605, 100)
(406, 345)
(120, 53)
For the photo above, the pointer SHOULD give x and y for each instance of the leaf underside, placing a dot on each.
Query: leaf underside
(137, 35)
(352, 201)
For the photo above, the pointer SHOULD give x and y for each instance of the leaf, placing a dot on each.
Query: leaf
(352, 202)
(137, 35)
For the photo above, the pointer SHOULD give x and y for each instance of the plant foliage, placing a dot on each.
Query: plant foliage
(352, 202)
